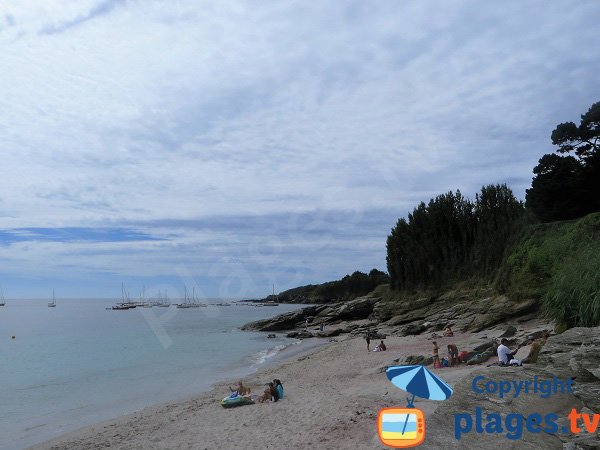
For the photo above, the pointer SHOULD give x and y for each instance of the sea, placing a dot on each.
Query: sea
(79, 363)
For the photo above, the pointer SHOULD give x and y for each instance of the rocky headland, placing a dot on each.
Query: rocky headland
(481, 317)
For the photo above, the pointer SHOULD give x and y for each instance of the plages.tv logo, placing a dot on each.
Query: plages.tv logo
(405, 427)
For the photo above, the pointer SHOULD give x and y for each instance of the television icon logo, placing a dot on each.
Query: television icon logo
(401, 427)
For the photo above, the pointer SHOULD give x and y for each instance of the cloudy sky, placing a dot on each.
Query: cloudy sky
(236, 144)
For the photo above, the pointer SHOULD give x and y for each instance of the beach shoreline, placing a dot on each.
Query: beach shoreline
(332, 396)
(295, 349)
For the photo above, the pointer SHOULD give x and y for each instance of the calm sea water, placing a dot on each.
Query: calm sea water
(79, 363)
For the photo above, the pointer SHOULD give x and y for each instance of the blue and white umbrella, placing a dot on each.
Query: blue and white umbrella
(419, 381)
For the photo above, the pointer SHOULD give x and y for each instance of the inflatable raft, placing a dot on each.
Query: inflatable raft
(236, 400)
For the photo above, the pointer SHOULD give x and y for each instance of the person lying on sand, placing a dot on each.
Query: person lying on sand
(448, 332)
(241, 390)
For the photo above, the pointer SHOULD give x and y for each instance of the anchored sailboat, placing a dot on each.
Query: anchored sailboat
(52, 304)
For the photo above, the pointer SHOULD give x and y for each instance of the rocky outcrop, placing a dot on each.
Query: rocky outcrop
(510, 332)
(285, 321)
(470, 310)
(441, 425)
(574, 353)
(360, 308)
(300, 335)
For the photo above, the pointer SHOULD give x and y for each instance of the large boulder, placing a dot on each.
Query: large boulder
(357, 309)
(300, 335)
(574, 353)
(495, 310)
(413, 328)
(510, 332)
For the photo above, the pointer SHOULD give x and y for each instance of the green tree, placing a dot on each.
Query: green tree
(583, 140)
(557, 191)
(569, 187)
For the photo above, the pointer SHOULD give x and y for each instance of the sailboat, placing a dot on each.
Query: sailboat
(2, 301)
(52, 304)
(125, 303)
(164, 302)
(273, 300)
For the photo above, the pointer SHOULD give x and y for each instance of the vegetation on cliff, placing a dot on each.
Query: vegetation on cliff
(498, 242)
(348, 288)
(493, 240)
(453, 238)
(568, 187)
(558, 263)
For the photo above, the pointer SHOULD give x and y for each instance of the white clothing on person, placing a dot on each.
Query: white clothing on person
(503, 352)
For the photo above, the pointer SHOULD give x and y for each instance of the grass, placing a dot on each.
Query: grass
(560, 264)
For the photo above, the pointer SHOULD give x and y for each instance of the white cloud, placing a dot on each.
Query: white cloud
(133, 111)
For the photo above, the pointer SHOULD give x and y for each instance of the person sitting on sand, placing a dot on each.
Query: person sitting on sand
(274, 393)
(448, 332)
(269, 394)
(452, 354)
(279, 387)
(265, 396)
(241, 390)
(382, 347)
(436, 356)
(505, 354)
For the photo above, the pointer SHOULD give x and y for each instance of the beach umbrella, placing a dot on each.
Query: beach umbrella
(420, 382)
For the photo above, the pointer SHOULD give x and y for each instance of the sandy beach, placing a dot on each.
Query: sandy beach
(332, 396)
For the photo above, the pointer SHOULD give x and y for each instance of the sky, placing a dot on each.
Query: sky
(237, 145)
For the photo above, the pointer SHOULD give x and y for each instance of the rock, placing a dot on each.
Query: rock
(330, 333)
(285, 321)
(357, 309)
(538, 334)
(534, 352)
(481, 357)
(396, 320)
(412, 329)
(510, 332)
(576, 352)
(483, 347)
(441, 424)
(376, 335)
(300, 334)
(413, 360)
(589, 394)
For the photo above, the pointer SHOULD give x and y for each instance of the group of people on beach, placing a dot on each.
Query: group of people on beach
(273, 392)
(453, 358)
(381, 347)
(506, 356)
